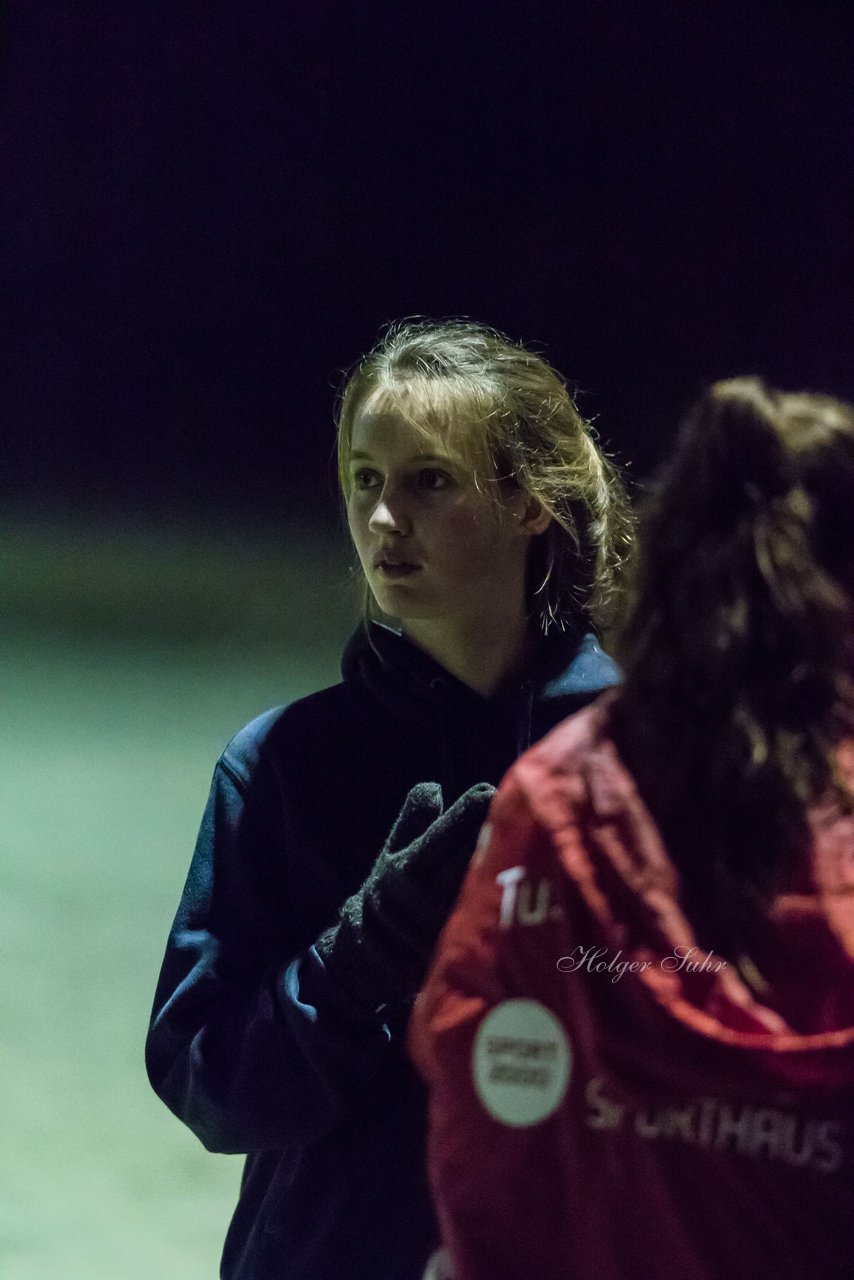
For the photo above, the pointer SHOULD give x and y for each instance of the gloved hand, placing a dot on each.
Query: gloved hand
(379, 950)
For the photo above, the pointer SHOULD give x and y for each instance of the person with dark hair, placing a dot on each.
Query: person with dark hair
(489, 528)
(638, 1028)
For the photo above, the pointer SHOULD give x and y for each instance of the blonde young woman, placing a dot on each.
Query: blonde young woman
(489, 528)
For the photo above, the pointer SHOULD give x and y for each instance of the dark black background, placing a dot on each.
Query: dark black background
(211, 208)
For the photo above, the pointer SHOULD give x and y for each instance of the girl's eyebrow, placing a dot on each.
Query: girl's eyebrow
(357, 455)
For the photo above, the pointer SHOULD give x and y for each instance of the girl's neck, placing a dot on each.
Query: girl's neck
(482, 656)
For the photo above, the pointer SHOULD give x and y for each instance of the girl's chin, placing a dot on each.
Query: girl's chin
(403, 609)
(394, 596)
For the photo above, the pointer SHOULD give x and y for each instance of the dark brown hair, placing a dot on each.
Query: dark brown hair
(737, 644)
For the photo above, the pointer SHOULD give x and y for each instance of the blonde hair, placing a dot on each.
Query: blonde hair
(506, 415)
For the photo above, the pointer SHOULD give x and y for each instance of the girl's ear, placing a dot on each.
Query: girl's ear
(535, 518)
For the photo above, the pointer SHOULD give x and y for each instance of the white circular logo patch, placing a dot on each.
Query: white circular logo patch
(521, 1062)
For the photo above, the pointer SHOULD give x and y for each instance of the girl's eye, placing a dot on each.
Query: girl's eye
(433, 479)
(364, 479)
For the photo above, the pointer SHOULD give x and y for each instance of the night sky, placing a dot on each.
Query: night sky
(212, 208)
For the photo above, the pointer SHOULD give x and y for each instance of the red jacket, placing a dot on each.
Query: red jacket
(608, 1101)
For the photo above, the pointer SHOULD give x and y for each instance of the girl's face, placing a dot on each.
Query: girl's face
(431, 546)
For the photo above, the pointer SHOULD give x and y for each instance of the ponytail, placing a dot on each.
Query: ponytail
(736, 644)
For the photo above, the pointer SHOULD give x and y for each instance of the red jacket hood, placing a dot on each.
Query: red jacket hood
(796, 990)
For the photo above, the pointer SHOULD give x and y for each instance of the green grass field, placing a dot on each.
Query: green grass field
(128, 661)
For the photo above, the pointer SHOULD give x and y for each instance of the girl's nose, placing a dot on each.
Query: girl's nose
(390, 514)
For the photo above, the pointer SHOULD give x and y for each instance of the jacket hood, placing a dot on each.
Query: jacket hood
(566, 673)
(474, 737)
(794, 993)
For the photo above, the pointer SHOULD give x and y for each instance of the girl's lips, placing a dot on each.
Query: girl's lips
(397, 569)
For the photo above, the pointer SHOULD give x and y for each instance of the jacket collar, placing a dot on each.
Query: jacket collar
(566, 673)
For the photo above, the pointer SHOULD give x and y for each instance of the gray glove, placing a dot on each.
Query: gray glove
(380, 949)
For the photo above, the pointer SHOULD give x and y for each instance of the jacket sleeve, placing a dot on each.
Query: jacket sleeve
(250, 1043)
(487, 1040)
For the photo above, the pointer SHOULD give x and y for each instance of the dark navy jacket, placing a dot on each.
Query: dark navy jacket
(251, 1043)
